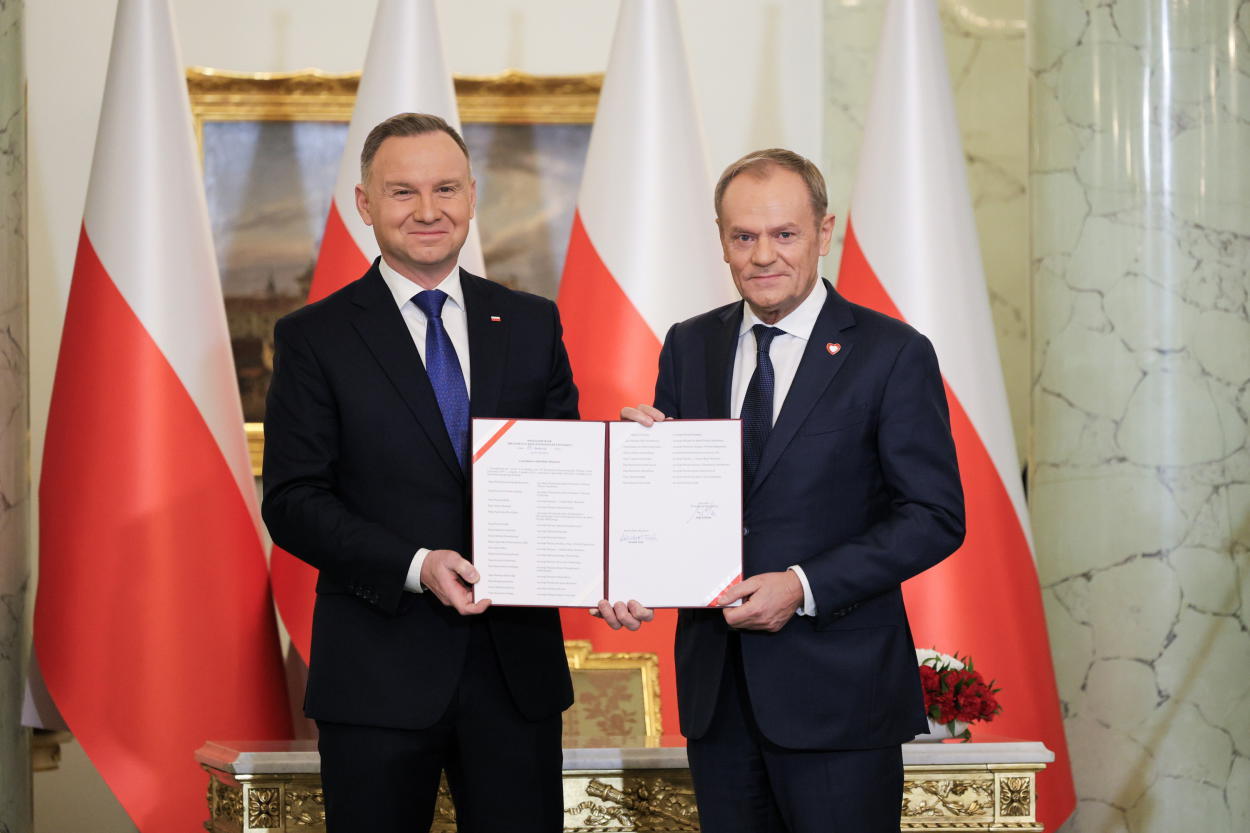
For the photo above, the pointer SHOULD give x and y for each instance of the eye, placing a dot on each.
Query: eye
(786, 235)
(742, 237)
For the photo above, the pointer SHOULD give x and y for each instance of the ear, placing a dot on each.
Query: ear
(472, 198)
(720, 235)
(826, 233)
(362, 205)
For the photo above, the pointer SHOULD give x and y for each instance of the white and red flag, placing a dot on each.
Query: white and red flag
(643, 253)
(404, 72)
(154, 627)
(911, 251)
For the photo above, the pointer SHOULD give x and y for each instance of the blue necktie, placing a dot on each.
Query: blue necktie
(757, 405)
(443, 367)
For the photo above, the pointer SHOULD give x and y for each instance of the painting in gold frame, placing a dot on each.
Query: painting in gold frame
(616, 697)
(268, 142)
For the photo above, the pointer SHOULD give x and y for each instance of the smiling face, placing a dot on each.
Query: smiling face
(419, 198)
(772, 240)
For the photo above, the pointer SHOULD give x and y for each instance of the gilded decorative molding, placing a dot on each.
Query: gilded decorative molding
(657, 803)
(225, 806)
(511, 97)
(1015, 796)
(306, 808)
(264, 807)
(948, 797)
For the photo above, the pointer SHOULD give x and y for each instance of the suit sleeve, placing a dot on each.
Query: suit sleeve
(300, 505)
(666, 381)
(925, 521)
(561, 392)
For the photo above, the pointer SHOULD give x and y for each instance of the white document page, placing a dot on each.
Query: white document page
(538, 512)
(675, 530)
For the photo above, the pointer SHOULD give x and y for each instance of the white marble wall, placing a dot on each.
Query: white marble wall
(985, 45)
(1140, 181)
(15, 784)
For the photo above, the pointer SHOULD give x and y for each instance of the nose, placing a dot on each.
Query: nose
(764, 252)
(424, 210)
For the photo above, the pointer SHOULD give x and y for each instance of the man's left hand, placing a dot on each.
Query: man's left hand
(769, 600)
(631, 615)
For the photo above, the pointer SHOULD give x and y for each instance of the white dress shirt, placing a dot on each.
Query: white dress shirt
(785, 352)
(457, 325)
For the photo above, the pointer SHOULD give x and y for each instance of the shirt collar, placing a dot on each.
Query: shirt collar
(403, 289)
(801, 320)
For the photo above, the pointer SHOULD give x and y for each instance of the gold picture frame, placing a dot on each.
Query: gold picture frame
(511, 97)
(583, 658)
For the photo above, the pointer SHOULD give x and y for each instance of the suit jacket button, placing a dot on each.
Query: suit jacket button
(746, 530)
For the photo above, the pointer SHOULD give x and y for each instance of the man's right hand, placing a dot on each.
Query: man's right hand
(643, 414)
(451, 577)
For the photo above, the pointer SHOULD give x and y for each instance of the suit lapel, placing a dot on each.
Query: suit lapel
(381, 326)
(816, 370)
(720, 364)
(488, 343)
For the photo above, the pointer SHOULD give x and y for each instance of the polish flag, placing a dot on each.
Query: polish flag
(154, 627)
(405, 72)
(643, 253)
(911, 251)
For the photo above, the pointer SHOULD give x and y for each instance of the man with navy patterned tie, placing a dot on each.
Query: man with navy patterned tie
(795, 702)
(366, 478)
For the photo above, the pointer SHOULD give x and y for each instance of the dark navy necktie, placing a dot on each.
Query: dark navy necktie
(757, 405)
(442, 365)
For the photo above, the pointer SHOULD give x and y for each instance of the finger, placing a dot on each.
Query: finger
(739, 591)
(636, 415)
(642, 614)
(625, 617)
(655, 413)
(465, 569)
(594, 611)
(609, 615)
(470, 608)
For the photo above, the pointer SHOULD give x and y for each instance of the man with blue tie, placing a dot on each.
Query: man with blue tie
(366, 478)
(795, 703)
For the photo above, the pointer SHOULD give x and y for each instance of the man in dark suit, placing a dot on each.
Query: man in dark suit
(366, 479)
(795, 702)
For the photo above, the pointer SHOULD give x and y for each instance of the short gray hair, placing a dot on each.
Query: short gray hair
(760, 162)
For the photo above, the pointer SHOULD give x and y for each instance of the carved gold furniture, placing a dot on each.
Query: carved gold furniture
(948, 787)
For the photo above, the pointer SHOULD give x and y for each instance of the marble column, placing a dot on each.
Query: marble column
(1140, 213)
(15, 783)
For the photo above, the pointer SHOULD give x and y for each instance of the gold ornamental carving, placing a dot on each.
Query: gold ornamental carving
(643, 804)
(264, 808)
(961, 798)
(225, 806)
(305, 808)
(1015, 796)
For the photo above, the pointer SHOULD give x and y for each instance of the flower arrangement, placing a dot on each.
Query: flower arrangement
(955, 693)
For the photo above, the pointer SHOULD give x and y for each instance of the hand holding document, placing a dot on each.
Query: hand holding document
(568, 513)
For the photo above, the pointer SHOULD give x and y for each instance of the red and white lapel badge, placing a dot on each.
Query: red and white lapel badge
(833, 348)
(495, 319)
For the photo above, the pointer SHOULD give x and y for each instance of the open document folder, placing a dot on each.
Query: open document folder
(568, 513)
